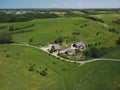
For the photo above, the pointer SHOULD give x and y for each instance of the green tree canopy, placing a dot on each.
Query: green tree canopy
(5, 38)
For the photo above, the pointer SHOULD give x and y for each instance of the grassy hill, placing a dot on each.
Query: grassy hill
(15, 74)
(64, 27)
(21, 66)
(61, 75)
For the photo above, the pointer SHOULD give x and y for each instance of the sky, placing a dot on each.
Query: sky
(59, 4)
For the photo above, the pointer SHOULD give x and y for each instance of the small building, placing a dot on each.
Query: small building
(70, 52)
(79, 45)
(56, 47)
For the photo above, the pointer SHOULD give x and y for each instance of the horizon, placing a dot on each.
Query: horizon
(67, 4)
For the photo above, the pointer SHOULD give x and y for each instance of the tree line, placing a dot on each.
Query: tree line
(87, 16)
(100, 52)
(4, 17)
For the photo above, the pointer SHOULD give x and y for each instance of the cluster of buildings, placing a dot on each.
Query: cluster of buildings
(69, 51)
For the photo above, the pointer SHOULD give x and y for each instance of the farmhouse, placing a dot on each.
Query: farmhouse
(79, 45)
(56, 47)
(70, 52)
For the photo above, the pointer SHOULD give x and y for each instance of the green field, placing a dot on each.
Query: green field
(15, 60)
(64, 27)
(15, 75)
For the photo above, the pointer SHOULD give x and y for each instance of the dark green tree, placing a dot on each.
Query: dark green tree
(43, 73)
(59, 40)
(118, 41)
(31, 39)
(11, 28)
(5, 38)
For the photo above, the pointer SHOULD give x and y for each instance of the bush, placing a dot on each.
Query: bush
(118, 41)
(31, 39)
(51, 51)
(2, 27)
(76, 33)
(112, 30)
(94, 19)
(37, 71)
(59, 40)
(11, 28)
(18, 54)
(43, 73)
(54, 62)
(5, 50)
(31, 68)
(5, 38)
(77, 51)
(94, 52)
(117, 21)
(63, 69)
(97, 33)
(7, 55)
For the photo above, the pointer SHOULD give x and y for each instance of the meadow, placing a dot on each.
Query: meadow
(61, 75)
(16, 61)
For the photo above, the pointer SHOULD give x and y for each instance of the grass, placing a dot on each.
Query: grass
(54, 28)
(100, 75)
(16, 60)
(15, 75)
(14, 69)
(113, 54)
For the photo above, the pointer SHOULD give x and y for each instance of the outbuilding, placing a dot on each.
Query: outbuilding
(56, 47)
(70, 52)
(79, 45)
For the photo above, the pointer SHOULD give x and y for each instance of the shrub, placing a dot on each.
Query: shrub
(59, 40)
(11, 28)
(5, 38)
(118, 41)
(54, 63)
(94, 52)
(77, 51)
(112, 30)
(76, 33)
(51, 51)
(37, 71)
(18, 54)
(31, 39)
(7, 55)
(46, 69)
(2, 27)
(5, 50)
(43, 73)
(97, 33)
(63, 69)
(31, 68)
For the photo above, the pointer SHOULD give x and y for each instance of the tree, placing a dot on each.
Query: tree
(43, 73)
(95, 52)
(5, 38)
(31, 39)
(59, 40)
(118, 41)
(31, 68)
(11, 28)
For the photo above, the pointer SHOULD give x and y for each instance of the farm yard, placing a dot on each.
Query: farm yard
(64, 53)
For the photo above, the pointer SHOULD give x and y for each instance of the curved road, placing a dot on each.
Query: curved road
(79, 62)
